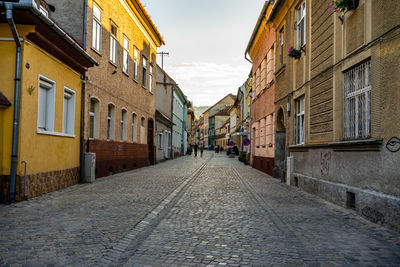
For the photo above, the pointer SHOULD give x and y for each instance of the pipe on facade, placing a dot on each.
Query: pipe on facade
(17, 92)
(85, 10)
(82, 134)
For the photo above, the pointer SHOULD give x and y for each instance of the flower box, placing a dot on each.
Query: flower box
(294, 53)
(343, 5)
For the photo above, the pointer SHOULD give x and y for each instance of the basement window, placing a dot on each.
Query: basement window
(351, 201)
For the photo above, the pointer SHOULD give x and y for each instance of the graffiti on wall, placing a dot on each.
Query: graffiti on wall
(325, 162)
(393, 145)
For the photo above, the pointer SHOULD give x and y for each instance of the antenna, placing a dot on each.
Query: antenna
(162, 57)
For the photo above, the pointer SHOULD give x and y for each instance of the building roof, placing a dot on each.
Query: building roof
(4, 101)
(258, 24)
(153, 26)
(224, 112)
(229, 95)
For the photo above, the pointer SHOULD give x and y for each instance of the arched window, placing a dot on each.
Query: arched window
(94, 118)
(134, 127)
(110, 122)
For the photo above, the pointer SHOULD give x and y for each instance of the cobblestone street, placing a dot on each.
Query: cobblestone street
(190, 211)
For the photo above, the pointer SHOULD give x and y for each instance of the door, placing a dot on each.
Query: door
(150, 141)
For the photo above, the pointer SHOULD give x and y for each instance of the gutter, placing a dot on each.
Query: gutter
(29, 4)
(258, 23)
(17, 94)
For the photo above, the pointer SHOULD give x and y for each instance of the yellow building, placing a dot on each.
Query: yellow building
(220, 136)
(45, 105)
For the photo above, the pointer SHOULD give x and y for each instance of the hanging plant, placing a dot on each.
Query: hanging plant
(294, 53)
(343, 5)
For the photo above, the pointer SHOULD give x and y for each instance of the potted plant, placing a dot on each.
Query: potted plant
(343, 5)
(295, 53)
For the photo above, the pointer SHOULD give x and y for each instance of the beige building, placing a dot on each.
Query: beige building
(337, 103)
(120, 92)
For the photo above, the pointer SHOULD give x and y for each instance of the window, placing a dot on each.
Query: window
(125, 56)
(113, 44)
(96, 31)
(299, 120)
(110, 121)
(160, 141)
(134, 127)
(135, 64)
(46, 104)
(144, 73)
(301, 26)
(123, 125)
(357, 87)
(151, 79)
(281, 36)
(69, 111)
(94, 115)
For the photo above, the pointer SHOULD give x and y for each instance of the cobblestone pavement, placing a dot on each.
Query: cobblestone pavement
(204, 211)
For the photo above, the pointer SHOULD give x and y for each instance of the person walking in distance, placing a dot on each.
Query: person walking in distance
(195, 150)
(201, 150)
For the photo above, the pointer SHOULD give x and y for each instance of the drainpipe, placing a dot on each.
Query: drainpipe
(82, 135)
(85, 10)
(17, 90)
(172, 117)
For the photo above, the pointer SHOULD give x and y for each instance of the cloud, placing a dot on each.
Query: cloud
(205, 83)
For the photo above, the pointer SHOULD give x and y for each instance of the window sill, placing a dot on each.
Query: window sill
(97, 52)
(144, 87)
(39, 131)
(127, 74)
(112, 63)
(280, 70)
(135, 80)
(372, 144)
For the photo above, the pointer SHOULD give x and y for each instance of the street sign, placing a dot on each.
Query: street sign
(246, 141)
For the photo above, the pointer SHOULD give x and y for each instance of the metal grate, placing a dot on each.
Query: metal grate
(357, 88)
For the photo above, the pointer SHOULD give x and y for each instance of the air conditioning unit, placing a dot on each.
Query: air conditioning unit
(89, 167)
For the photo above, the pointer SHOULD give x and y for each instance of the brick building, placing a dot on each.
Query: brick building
(120, 92)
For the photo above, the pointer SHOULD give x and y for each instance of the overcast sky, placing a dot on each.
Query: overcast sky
(206, 40)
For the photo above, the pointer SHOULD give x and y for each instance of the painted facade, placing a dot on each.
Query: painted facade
(179, 134)
(163, 131)
(209, 119)
(261, 51)
(120, 93)
(336, 104)
(49, 125)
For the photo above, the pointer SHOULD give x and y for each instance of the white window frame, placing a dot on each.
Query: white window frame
(300, 120)
(69, 111)
(144, 71)
(125, 56)
(124, 113)
(44, 11)
(357, 108)
(281, 44)
(113, 43)
(96, 118)
(134, 127)
(151, 78)
(96, 29)
(49, 108)
(135, 63)
(301, 28)
(110, 121)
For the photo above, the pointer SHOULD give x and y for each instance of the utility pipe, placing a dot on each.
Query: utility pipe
(85, 16)
(17, 91)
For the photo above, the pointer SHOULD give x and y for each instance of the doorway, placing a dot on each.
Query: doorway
(150, 141)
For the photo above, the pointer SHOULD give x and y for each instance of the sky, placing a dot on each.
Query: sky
(206, 41)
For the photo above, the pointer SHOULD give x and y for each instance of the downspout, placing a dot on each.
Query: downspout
(85, 10)
(82, 135)
(17, 91)
(172, 117)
